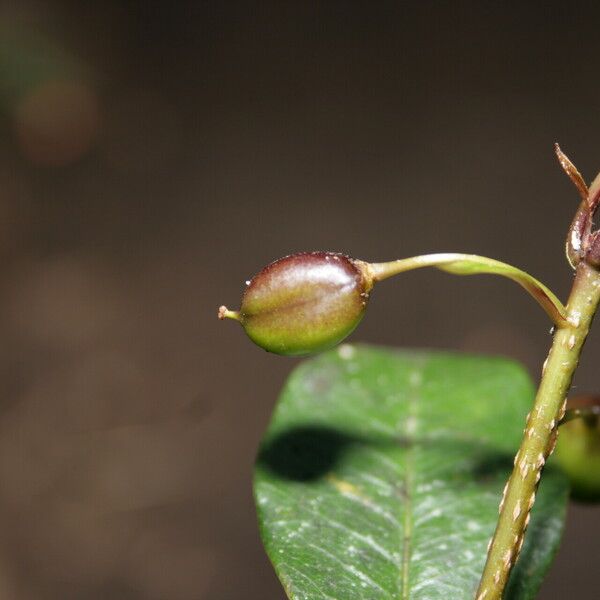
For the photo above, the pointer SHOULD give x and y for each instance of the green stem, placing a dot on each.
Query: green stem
(540, 433)
(472, 264)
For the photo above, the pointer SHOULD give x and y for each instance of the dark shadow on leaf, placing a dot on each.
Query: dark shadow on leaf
(309, 452)
(490, 464)
(305, 453)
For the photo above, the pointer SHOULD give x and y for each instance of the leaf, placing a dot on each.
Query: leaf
(381, 473)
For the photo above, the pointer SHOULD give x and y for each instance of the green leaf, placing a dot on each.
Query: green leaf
(381, 473)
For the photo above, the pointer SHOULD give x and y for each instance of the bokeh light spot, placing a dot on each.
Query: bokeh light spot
(57, 122)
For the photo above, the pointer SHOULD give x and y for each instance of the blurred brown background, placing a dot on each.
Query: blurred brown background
(154, 155)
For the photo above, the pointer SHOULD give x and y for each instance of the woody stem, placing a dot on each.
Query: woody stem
(540, 433)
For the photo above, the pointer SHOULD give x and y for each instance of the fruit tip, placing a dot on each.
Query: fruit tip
(225, 313)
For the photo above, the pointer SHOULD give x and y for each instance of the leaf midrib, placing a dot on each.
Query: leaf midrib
(410, 424)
